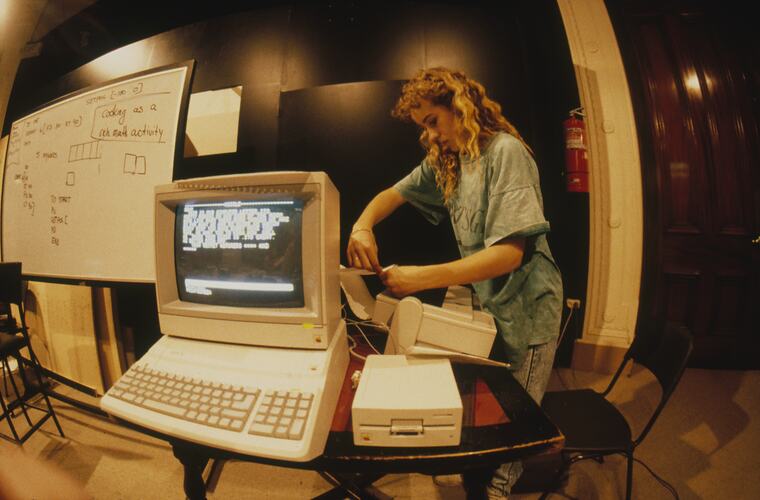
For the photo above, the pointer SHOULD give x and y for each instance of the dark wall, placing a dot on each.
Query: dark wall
(319, 80)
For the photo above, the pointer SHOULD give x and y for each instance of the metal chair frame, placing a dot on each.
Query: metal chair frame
(11, 293)
(666, 362)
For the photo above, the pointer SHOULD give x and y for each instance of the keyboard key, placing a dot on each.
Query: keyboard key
(281, 431)
(245, 403)
(296, 430)
(261, 429)
(226, 412)
(164, 408)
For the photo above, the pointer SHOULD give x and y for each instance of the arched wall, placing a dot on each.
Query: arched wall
(615, 198)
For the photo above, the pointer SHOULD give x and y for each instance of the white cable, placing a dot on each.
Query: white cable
(351, 349)
(366, 339)
(564, 328)
(357, 324)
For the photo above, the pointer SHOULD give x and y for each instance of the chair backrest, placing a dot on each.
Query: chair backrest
(10, 283)
(667, 362)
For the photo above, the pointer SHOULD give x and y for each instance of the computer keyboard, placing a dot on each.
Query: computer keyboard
(281, 414)
(268, 402)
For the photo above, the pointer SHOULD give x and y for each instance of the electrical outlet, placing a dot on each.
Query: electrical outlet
(573, 303)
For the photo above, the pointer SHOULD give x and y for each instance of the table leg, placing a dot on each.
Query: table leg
(348, 485)
(194, 463)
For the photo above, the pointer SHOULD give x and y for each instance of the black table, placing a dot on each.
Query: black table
(501, 423)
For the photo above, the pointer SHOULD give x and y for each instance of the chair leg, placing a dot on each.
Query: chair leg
(3, 364)
(7, 415)
(629, 476)
(559, 477)
(38, 373)
(5, 380)
(19, 397)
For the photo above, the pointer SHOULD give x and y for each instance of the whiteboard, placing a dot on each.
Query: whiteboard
(80, 174)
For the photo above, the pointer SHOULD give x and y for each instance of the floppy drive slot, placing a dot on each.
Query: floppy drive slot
(406, 427)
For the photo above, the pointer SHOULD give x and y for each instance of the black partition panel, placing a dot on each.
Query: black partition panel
(347, 131)
(339, 42)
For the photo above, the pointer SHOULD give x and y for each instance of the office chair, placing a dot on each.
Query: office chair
(13, 338)
(594, 427)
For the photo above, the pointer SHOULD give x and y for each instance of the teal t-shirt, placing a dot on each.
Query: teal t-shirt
(497, 197)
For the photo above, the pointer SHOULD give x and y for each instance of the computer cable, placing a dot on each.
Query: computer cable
(664, 483)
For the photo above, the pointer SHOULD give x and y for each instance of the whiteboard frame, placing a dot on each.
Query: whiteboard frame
(184, 102)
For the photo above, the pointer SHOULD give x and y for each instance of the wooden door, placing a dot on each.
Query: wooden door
(696, 90)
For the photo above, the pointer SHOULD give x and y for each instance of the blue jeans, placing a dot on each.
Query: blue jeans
(534, 376)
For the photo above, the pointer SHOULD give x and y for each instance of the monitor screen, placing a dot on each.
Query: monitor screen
(240, 252)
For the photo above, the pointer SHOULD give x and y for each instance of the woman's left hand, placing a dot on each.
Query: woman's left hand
(403, 280)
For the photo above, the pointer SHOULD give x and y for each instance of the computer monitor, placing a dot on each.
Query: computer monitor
(249, 259)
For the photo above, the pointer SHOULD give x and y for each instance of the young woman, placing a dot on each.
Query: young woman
(479, 172)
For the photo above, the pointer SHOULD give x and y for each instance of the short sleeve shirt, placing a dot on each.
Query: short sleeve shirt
(498, 196)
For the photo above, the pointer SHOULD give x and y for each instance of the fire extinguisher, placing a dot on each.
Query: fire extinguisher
(576, 161)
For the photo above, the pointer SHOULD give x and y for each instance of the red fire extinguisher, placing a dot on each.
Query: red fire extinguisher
(576, 162)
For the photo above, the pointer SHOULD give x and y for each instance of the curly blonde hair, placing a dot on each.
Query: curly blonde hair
(478, 118)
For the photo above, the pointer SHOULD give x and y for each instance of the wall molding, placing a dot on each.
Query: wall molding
(615, 190)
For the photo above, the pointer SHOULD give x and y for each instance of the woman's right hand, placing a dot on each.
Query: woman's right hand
(362, 251)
